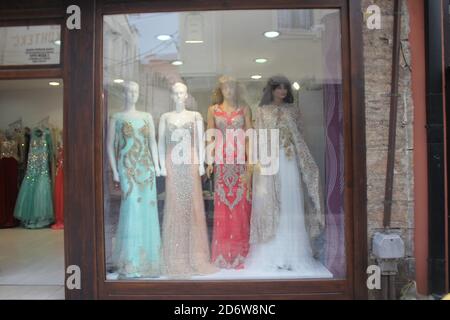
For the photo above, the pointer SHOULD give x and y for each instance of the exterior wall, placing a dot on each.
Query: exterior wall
(378, 66)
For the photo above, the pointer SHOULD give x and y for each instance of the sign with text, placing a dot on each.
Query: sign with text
(30, 45)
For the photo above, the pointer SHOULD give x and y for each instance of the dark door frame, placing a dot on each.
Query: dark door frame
(445, 13)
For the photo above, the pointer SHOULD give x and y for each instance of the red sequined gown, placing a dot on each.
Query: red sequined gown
(59, 192)
(9, 175)
(232, 203)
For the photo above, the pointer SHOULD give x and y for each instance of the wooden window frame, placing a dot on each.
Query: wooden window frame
(84, 130)
(356, 251)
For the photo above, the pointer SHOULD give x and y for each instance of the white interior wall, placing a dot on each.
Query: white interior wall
(31, 105)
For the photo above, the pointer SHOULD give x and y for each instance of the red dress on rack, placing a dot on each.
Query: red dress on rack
(232, 204)
(59, 193)
(9, 175)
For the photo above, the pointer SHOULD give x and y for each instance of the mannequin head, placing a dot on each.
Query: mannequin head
(179, 93)
(228, 87)
(278, 89)
(229, 90)
(131, 93)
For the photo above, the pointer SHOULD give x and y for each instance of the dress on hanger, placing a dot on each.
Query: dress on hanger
(8, 182)
(287, 210)
(59, 192)
(23, 137)
(232, 205)
(56, 139)
(137, 243)
(185, 239)
(34, 206)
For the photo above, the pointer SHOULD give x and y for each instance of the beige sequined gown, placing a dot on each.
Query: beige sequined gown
(185, 241)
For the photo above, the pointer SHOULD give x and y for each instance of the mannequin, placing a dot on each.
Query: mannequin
(133, 157)
(185, 246)
(232, 203)
(179, 117)
(131, 97)
(287, 208)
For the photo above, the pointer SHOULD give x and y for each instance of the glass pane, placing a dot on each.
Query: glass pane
(224, 153)
(32, 45)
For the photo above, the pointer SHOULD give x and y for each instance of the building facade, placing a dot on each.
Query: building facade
(338, 54)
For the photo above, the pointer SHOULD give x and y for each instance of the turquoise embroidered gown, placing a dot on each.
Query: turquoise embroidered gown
(34, 206)
(137, 244)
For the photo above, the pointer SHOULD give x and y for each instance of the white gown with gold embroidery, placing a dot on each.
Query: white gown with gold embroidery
(287, 211)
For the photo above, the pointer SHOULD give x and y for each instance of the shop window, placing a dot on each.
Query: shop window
(224, 150)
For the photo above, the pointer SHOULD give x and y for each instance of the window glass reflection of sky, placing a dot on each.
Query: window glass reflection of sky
(149, 26)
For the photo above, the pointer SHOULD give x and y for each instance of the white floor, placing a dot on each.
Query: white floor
(318, 272)
(31, 264)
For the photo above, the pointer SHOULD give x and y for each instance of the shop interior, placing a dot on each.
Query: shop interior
(31, 189)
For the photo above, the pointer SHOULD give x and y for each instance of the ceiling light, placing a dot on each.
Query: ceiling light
(260, 60)
(163, 37)
(177, 63)
(256, 77)
(118, 80)
(194, 41)
(53, 83)
(58, 42)
(271, 34)
(296, 86)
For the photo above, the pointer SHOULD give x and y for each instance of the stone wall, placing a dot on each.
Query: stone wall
(378, 66)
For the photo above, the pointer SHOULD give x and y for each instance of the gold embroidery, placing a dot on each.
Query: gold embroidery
(136, 159)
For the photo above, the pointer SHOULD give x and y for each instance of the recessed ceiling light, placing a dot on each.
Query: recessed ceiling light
(58, 42)
(118, 80)
(163, 37)
(177, 63)
(260, 60)
(296, 86)
(54, 83)
(194, 41)
(256, 77)
(271, 34)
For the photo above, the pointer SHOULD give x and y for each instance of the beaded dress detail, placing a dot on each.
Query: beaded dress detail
(34, 206)
(185, 239)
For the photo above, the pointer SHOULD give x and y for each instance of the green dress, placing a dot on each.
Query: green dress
(137, 243)
(34, 206)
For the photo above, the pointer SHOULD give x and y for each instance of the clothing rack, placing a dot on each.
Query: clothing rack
(18, 124)
(45, 122)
